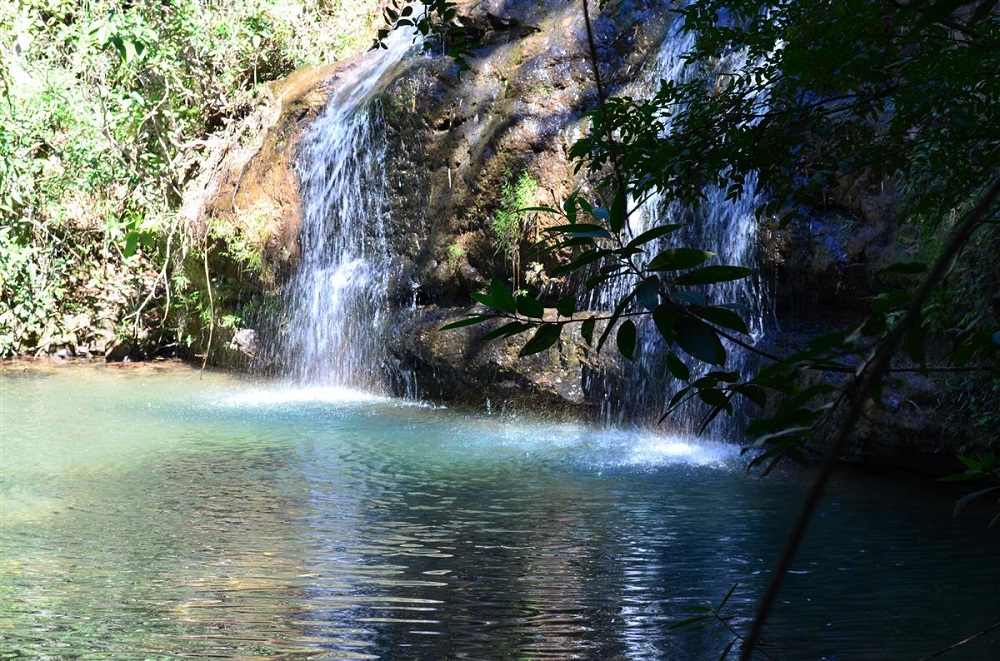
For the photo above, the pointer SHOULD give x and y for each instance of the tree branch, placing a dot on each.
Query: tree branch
(872, 373)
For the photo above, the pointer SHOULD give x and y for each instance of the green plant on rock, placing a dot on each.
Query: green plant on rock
(510, 223)
(456, 253)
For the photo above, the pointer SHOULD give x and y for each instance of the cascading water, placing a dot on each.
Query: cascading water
(336, 303)
(725, 227)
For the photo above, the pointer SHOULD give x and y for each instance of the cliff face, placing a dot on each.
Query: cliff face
(454, 142)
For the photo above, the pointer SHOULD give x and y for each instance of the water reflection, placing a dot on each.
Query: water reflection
(180, 517)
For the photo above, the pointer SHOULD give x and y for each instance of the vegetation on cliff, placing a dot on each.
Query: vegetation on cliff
(107, 113)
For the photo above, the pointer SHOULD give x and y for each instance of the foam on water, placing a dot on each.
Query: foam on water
(292, 395)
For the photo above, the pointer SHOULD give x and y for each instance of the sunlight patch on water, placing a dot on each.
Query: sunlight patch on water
(659, 450)
(291, 395)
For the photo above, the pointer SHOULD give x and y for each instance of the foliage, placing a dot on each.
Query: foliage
(106, 110)
(821, 100)
(438, 24)
(512, 219)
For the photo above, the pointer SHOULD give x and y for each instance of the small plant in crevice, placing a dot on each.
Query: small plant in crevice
(512, 220)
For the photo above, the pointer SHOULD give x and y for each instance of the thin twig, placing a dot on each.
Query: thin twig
(963, 642)
(869, 378)
(211, 308)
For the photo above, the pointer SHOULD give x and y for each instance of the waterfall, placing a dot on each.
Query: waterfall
(726, 227)
(336, 306)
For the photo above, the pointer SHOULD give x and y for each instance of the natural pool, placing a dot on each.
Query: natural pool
(166, 513)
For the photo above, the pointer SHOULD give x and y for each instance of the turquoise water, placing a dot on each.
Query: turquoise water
(165, 513)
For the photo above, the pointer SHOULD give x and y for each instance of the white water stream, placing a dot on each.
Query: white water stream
(336, 310)
(726, 227)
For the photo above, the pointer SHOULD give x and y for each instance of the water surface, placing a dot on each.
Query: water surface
(166, 513)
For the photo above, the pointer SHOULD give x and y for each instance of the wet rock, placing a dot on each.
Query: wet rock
(246, 342)
(118, 351)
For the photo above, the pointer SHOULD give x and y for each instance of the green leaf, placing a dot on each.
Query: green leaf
(502, 298)
(131, 243)
(580, 230)
(626, 339)
(587, 330)
(699, 340)
(721, 317)
(653, 234)
(545, 337)
(529, 307)
(712, 274)
(677, 367)
(483, 298)
(507, 330)
(664, 317)
(619, 211)
(970, 463)
(675, 259)
(648, 292)
(468, 321)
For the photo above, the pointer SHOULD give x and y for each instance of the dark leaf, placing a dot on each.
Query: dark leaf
(664, 317)
(653, 234)
(755, 394)
(712, 274)
(619, 310)
(677, 367)
(648, 292)
(674, 259)
(587, 330)
(546, 336)
(502, 298)
(566, 306)
(619, 210)
(678, 396)
(468, 321)
(721, 317)
(965, 500)
(586, 258)
(529, 307)
(690, 297)
(699, 340)
(906, 268)
(580, 230)
(626, 338)
(507, 330)
(715, 397)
